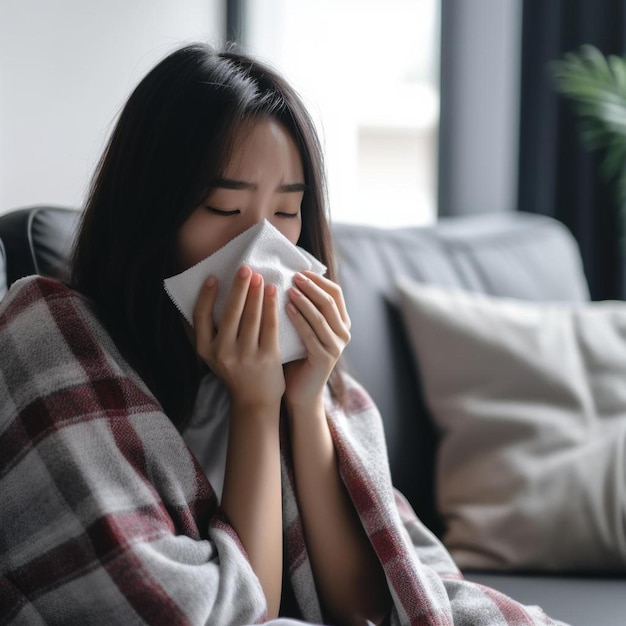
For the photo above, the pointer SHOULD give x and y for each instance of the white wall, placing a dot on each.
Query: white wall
(66, 68)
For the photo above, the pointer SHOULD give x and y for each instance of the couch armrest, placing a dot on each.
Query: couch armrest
(3, 271)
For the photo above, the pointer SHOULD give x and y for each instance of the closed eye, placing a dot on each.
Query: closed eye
(285, 214)
(221, 212)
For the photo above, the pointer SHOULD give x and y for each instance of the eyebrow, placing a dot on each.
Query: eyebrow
(239, 185)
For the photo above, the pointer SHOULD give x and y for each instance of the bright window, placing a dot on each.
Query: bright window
(368, 72)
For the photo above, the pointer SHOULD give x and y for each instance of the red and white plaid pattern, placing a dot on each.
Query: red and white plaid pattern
(107, 518)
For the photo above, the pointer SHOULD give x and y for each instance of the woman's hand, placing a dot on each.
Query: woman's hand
(348, 575)
(317, 309)
(244, 350)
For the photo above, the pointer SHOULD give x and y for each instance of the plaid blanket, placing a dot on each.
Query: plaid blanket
(107, 518)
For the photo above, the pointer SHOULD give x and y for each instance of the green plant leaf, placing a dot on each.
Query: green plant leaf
(596, 86)
(618, 69)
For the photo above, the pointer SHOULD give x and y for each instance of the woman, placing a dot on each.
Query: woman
(108, 516)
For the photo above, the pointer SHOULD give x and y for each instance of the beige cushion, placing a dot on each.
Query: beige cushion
(531, 403)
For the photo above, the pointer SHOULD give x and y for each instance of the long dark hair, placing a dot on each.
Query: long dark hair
(170, 143)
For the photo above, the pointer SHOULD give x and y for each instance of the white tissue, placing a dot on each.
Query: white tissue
(266, 251)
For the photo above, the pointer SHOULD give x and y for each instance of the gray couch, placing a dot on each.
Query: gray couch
(514, 255)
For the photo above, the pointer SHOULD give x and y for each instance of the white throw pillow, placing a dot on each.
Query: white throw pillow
(530, 400)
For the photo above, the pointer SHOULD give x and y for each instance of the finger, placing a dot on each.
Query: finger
(233, 309)
(327, 297)
(314, 318)
(317, 336)
(249, 328)
(268, 339)
(334, 290)
(203, 313)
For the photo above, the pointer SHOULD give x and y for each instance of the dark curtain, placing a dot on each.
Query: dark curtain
(235, 10)
(558, 176)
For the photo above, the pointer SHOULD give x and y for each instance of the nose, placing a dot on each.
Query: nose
(253, 222)
(255, 215)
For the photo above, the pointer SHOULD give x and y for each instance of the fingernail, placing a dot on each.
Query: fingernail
(291, 308)
(301, 278)
(210, 281)
(244, 271)
(270, 290)
(256, 280)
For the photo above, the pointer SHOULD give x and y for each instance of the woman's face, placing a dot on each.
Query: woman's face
(264, 179)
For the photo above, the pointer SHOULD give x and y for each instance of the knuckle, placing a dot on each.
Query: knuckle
(221, 355)
(319, 317)
(336, 291)
(337, 349)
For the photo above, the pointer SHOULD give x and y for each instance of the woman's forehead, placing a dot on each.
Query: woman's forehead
(260, 146)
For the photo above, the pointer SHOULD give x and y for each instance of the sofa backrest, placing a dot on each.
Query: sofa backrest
(515, 254)
(38, 240)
